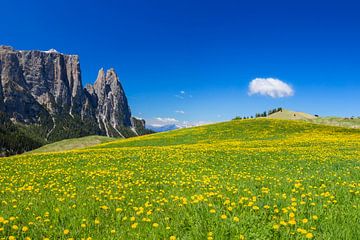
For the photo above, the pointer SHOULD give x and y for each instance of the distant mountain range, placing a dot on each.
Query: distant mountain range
(172, 126)
(42, 96)
(163, 128)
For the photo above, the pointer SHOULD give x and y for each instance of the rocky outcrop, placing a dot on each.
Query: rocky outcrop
(44, 88)
(112, 109)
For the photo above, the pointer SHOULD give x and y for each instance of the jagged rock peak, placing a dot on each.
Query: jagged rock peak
(4, 48)
(46, 86)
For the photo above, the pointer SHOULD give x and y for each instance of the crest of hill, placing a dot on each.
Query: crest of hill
(291, 115)
(233, 132)
(254, 132)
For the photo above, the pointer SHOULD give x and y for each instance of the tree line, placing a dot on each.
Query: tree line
(263, 114)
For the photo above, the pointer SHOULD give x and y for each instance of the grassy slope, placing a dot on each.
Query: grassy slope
(337, 121)
(71, 144)
(331, 121)
(239, 178)
(291, 115)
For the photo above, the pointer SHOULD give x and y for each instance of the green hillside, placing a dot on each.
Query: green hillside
(337, 121)
(291, 115)
(73, 143)
(331, 121)
(245, 179)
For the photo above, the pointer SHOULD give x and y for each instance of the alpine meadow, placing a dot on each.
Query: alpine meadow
(180, 120)
(242, 179)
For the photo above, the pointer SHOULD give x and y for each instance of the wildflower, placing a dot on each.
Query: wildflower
(172, 238)
(66, 231)
(25, 229)
(223, 216)
(315, 217)
(134, 225)
(276, 226)
(104, 207)
(155, 225)
(309, 235)
(292, 222)
(236, 219)
(212, 211)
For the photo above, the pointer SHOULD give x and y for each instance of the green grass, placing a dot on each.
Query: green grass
(73, 143)
(291, 115)
(331, 121)
(337, 121)
(246, 179)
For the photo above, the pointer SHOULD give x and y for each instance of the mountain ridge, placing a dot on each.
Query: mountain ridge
(43, 90)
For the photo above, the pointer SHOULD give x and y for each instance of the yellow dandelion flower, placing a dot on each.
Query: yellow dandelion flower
(309, 235)
(236, 219)
(223, 216)
(104, 207)
(292, 222)
(66, 231)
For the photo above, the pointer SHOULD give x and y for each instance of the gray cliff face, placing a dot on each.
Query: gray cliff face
(39, 87)
(112, 106)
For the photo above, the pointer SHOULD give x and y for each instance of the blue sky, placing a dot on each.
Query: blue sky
(210, 50)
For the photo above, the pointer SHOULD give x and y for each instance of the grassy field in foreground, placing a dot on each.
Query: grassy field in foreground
(73, 143)
(245, 179)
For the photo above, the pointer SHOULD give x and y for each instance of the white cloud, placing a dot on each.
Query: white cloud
(163, 121)
(166, 120)
(180, 111)
(272, 87)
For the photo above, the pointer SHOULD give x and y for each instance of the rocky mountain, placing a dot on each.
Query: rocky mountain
(162, 128)
(43, 92)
